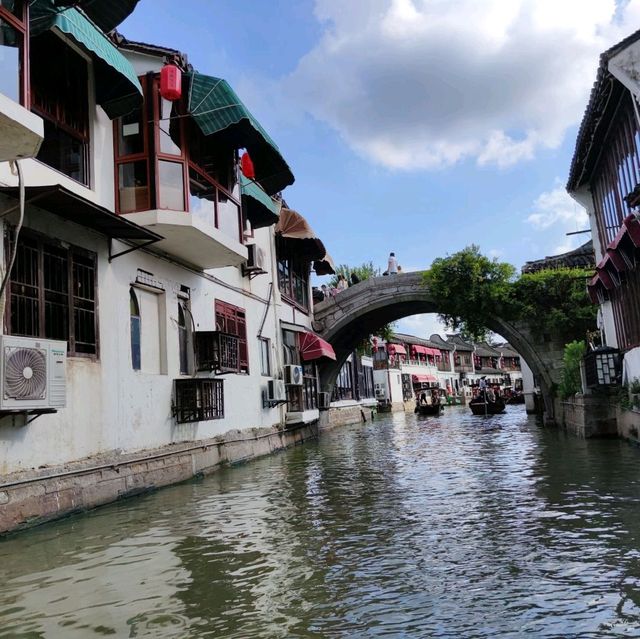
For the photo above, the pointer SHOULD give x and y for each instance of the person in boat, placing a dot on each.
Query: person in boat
(491, 396)
(423, 399)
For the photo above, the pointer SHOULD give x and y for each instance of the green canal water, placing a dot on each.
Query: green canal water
(454, 527)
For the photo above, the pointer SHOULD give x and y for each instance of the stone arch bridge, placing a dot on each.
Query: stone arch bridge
(349, 317)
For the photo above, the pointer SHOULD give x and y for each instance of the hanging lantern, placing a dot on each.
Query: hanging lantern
(171, 82)
(248, 169)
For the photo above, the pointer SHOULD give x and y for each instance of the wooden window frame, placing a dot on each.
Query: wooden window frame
(293, 266)
(232, 320)
(265, 343)
(153, 155)
(82, 135)
(21, 25)
(41, 241)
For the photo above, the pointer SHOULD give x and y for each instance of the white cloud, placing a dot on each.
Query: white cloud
(414, 84)
(422, 326)
(556, 208)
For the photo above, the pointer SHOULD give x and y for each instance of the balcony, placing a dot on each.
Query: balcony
(21, 132)
(191, 239)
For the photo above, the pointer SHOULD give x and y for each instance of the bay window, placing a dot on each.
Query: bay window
(170, 165)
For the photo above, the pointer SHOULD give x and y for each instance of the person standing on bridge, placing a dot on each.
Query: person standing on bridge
(342, 284)
(354, 279)
(392, 265)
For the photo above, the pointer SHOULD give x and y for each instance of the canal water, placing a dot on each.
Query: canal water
(405, 527)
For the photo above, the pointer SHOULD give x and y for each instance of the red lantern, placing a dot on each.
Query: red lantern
(171, 82)
(248, 169)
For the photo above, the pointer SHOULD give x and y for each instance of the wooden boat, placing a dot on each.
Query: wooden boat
(429, 409)
(516, 398)
(478, 406)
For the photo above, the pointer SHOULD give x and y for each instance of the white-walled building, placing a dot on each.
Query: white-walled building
(179, 283)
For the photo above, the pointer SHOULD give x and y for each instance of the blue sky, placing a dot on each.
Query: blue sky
(414, 126)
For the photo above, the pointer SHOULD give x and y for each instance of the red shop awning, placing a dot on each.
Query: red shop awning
(312, 346)
(416, 349)
(398, 349)
(420, 379)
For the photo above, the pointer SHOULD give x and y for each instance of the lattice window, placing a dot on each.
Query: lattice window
(53, 294)
(198, 400)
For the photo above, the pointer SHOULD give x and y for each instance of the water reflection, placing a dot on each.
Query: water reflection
(451, 527)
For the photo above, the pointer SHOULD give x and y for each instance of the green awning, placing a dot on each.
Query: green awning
(260, 209)
(107, 14)
(219, 112)
(118, 90)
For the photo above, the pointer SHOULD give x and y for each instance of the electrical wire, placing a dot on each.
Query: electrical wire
(16, 165)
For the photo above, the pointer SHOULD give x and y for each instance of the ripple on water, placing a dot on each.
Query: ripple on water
(452, 527)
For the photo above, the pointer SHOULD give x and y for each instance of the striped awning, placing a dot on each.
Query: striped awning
(261, 209)
(117, 88)
(218, 111)
(299, 237)
(312, 347)
(423, 379)
(396, 349)
(107, 14)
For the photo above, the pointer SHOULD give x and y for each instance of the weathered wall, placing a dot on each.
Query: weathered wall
(588, 415)
(31, 498)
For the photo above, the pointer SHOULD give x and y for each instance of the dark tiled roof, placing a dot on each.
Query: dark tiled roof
(151, 49)
(604, 98)
(440, 343)
(583, 256)
(459, 343)
(412, 339)
(484, 350)
(507, 350)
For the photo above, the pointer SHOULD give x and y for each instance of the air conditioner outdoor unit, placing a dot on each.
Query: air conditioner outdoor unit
(276, 391)
(324, 400)
(255, 260)
(32, 373)
(293, 375)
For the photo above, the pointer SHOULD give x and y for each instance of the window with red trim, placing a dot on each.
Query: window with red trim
(14, 50)
(233, 320)
(169, 164)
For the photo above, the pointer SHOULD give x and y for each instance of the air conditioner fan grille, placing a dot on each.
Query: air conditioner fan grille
(25, 373)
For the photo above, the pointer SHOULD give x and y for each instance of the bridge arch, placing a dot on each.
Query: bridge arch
(362, 309)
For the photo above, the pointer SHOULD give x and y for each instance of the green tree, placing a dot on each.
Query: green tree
(470, 289)
(555, 302)
(570, 384)
(364, 272)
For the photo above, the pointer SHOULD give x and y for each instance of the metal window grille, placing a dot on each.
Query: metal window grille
(53, 294)
(217, 351)
(198, 400)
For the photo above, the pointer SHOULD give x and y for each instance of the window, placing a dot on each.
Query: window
(293, 277)
(303, 397)
(265, 359)
(53, 294)
(13, 59)
(185, 334)
(134, 313)
(198, 400)
(147, 330)
(59, 94)
(232, 320)
(156, 168)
